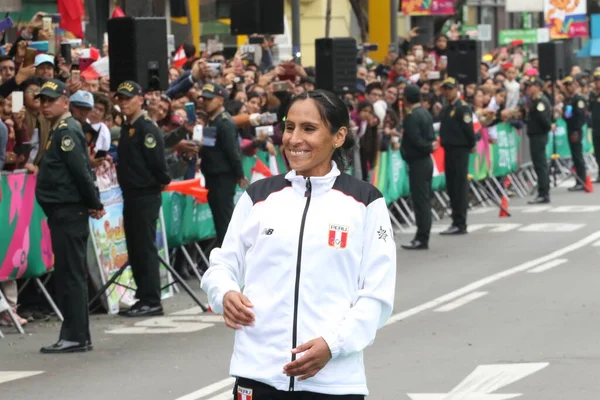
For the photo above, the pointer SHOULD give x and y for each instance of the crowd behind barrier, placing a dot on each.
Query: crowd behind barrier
(26, 248)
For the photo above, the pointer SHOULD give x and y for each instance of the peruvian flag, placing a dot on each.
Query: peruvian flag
(244, 394)
(96, 70)
(260, 171)
(179, 58)
(476, 124)
(438, 161)
(338, 236)
(71, 13)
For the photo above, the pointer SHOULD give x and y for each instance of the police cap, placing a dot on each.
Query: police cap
(449, 83)
(53, 89)
(129, 89)
(210, 90)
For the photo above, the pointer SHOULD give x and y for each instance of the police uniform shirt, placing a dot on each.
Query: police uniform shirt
(594, 106)
(418, 134)
(539, 121)
(65, 175)
(578, 109)
(224, 155)
(456, 129)
(142, 167)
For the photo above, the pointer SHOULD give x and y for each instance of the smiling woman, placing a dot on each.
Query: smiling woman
(314, 253)
(315, 133)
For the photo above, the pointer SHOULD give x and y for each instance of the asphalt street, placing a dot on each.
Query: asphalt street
(508, 311)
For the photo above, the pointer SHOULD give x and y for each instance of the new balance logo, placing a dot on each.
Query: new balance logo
(267, 231)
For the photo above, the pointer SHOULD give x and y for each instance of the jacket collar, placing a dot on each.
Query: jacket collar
(319, 184)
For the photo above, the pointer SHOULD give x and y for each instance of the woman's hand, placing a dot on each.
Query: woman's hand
(316, 357)
(236, 310)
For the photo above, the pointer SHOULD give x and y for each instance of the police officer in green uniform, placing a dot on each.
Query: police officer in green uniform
(221, 159)
(142, 174)
(66, 192)
(594, 108)
(418, 142)
(574, 114)
(539, 123)
(458, 140)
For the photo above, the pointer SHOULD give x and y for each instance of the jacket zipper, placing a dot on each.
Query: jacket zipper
(307, 194)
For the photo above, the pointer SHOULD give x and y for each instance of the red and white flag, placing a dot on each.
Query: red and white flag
(244, 394)
(260, 171)
(179, 58)
(338, 236)
(96, 70)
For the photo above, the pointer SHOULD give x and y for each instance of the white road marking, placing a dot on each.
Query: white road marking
(461, 301)
(170, 324)
(594, 237)
(535, 209)
(485, 380)
(7, 376)
(210, 389)
(551, 228)
(493, 278)
(575, 209)
(548, 265)
(503, 227)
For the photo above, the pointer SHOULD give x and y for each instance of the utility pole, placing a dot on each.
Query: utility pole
(328, 19)
(296, 31)
(394, 6)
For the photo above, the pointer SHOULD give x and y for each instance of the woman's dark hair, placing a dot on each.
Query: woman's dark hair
(334, 114)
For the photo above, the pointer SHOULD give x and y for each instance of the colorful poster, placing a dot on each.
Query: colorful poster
(110, 247)
(428, 7)
(566, 18)
(25, 245)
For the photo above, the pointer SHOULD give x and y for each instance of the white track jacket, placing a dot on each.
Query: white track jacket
(317, 258)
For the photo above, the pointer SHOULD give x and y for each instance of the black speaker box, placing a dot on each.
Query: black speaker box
(138, 52)
(335, 64)
(256, 16)
(551, 58)
(464, 61)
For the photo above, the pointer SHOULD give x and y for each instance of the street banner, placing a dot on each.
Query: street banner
(428, 7)
(528, 36)
(566, 18)
(107, 237)
(562, 141)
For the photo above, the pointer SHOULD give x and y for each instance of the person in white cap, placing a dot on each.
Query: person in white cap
(44, 66)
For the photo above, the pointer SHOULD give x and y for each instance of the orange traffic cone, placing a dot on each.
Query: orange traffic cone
(504, 204)
(209, 309)
(589, 187)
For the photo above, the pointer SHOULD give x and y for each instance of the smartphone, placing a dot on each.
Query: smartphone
(47, 23)
(6, 24)
(264, 131)
(100, 154)
(280, 86)
(65, 52)
(289, 72)
(256, 40)
(40, 45)
(215, 67)
(56, 18)
(197, 133)
(17, 101)
(23, 148)
(190, 110)
(30, 54)
(433, 75)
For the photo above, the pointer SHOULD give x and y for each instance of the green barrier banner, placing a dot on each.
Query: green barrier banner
(588, 141)
(503, 155)
(562, 141)
(25, 245)
(397, 185)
